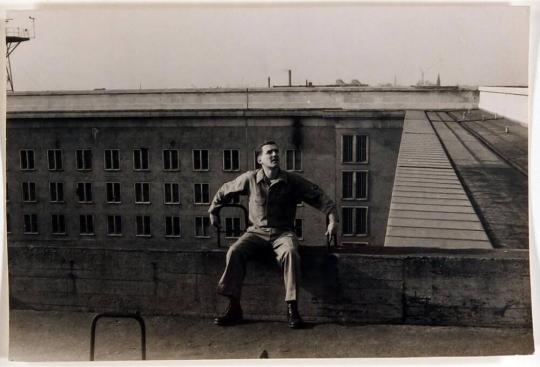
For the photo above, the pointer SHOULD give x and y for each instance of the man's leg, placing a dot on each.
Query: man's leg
(286, 250)
(230, 284)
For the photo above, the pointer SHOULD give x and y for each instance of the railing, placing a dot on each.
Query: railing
(219, 231)
(135, 316)
(17, 32)
(246, 222)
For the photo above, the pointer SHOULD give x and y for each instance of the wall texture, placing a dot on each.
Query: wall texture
(482, 288)
(512, 103)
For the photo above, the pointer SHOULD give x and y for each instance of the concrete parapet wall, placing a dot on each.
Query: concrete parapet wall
(269, 98)
(486, 288)
(512, 103)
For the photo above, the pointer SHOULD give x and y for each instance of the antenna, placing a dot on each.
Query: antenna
(14, 37)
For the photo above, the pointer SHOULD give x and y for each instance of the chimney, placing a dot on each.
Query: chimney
(290, 78)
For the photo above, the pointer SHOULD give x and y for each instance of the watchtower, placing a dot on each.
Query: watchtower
(14, 37)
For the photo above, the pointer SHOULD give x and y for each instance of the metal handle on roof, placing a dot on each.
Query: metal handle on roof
(135, 316)
(218, 210)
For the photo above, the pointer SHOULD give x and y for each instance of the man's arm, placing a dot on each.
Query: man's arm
(238, 186)
(312, 195)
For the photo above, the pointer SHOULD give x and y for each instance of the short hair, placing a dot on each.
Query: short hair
(268, 142)
(258, 151)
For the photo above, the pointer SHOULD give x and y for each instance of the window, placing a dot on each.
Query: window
(202, 224)
(56, 192)
(29, 192)
(256, 163)
(27, 159)
(172, 226)
(201, 194)
(113, 192)
(170, 160)
(84, 192)
(294, 160)
(143, 225)
(114, 225)
(355, 221)
(142, 193)
(140, 159)
(355, 185)
(30, 224)
(58, 224)
(299, 228)
(55, 159)
(112, 159)
(231, 160)
(172, 193)
(86, 222)
(232, 227)
(200, 160)
(355, 149)
(84, 159)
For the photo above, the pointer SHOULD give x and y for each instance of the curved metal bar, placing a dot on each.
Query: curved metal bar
(135, 316)
(218, 210)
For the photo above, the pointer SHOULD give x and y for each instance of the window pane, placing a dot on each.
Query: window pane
(361, 221)
(227, 160)
(361, 148)
(50, 157)
(206, 195)
(235, 160)
(290, 159)
(347, 185)
(361, 185)
(298, 160)
(144, 153)
(347, 148)
(347, 220)
(204, 159)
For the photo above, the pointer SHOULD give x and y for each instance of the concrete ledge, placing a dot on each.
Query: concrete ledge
(474, 288)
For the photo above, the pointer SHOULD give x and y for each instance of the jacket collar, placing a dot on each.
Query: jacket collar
(281, 177)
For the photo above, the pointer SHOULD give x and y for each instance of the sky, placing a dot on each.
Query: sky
(207, 46)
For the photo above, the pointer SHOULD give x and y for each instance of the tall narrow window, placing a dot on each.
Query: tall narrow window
(294, 160)
(141, 159)
(355, 149)
(355, 185)
(112, 159)
(27, 159)
(114, 225)
(200, 160)
(172, 226)
(172, 193)
(84, 192)
(29, 192)
(299, 228)
(8, 223)
(58, 224)
(202, 225)
(54, 157)
(113, 192)
(143, 225)
(171, 162)
(202, 195)
(231, 160)
(56, 192)
(232, 227)
(355, 221)
(84, 159)
(86, 224)
(142, 193)
(30, 224)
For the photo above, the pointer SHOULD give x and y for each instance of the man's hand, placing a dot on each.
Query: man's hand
(214, 220)
(332, 227)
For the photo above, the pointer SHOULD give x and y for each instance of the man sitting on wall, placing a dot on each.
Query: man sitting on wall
(273, 196)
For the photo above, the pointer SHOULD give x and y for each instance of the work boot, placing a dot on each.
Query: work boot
(233, 315)
(293, 317)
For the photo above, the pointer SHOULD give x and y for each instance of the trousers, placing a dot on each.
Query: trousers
(285, 247)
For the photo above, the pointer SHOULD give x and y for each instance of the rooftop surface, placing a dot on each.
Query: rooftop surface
(65, 336)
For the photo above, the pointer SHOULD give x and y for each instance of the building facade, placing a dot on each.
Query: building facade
(146, 180)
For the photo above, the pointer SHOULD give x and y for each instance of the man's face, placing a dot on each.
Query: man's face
(269, 156)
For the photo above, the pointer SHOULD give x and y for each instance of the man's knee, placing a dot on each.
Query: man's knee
(238, 249)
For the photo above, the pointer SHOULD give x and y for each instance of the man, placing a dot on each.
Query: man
(273, 196)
